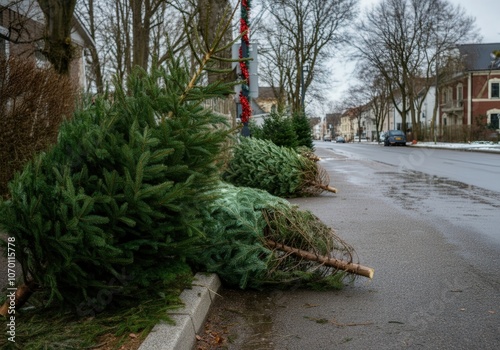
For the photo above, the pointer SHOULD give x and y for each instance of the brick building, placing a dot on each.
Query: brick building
(471, 99)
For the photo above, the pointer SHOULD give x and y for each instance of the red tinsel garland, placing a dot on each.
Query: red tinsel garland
(244, 68)
(244, 30)
(246, 110)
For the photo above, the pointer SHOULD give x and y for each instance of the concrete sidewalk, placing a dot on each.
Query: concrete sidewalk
(189, 320)
(478, 146)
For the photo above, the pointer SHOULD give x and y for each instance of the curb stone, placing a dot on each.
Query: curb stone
(188, 320)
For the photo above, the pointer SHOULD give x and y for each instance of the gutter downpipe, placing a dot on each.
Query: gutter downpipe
(469, 100)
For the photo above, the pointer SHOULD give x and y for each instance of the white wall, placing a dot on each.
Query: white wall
(427, 110)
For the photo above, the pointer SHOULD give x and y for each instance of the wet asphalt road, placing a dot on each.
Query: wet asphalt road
(433, 244)
(481, 169)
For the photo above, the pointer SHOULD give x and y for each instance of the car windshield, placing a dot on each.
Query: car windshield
(396, 133)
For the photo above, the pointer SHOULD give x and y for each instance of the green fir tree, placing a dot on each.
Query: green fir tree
(281, 171)
(279, 129)
(303, 130)
(238, 225)
(111, 210)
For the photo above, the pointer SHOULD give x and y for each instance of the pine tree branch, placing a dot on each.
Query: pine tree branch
(208, 56)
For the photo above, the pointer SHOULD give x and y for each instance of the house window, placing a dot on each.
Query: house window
(41, 60)
(495, 88)
(3, 48)
(460, 93)
(447, 94)
(4, 53)
(493, 120)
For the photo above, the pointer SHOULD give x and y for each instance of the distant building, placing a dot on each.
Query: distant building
(427, 98)
(317, 130)
(347, 125)
(468, 102)
(471, 97)
(267, 102)
(332, 124)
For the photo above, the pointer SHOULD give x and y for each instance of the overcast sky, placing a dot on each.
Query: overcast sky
(486, 12)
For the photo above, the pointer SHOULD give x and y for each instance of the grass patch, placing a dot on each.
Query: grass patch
(50, 328)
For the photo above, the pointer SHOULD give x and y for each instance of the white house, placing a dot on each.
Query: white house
(394, 120)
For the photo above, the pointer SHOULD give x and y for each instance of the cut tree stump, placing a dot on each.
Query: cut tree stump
(21, 295)
(325, 260)
(328, 188)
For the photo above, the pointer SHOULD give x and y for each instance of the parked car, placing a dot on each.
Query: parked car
(394, 138)
(327, 138)
(340, 139)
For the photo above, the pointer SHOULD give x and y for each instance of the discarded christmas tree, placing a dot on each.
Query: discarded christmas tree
(112, 207)
(279, 170)
(254, 239)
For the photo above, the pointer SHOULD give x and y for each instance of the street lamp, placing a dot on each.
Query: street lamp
(303, 90)
(425, 124)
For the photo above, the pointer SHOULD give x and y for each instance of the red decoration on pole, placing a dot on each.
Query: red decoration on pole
(246, 110)
(244, 30)
(244, 69)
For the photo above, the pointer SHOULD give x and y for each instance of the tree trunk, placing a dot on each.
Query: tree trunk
(96, 63)
(141, 28)
(326, 188)
(58, 46)
(325, 260)
(19, 297)
(210, 16)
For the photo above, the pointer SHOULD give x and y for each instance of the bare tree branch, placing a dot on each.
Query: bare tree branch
(302, 36)
(403, 39)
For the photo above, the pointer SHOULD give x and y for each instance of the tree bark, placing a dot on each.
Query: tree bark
(326, 188)
(96, 63)
(210, 15)
(21, 295)
(58, 46)
(325, 260)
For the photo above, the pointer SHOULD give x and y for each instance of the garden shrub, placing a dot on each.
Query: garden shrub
(33, 103)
